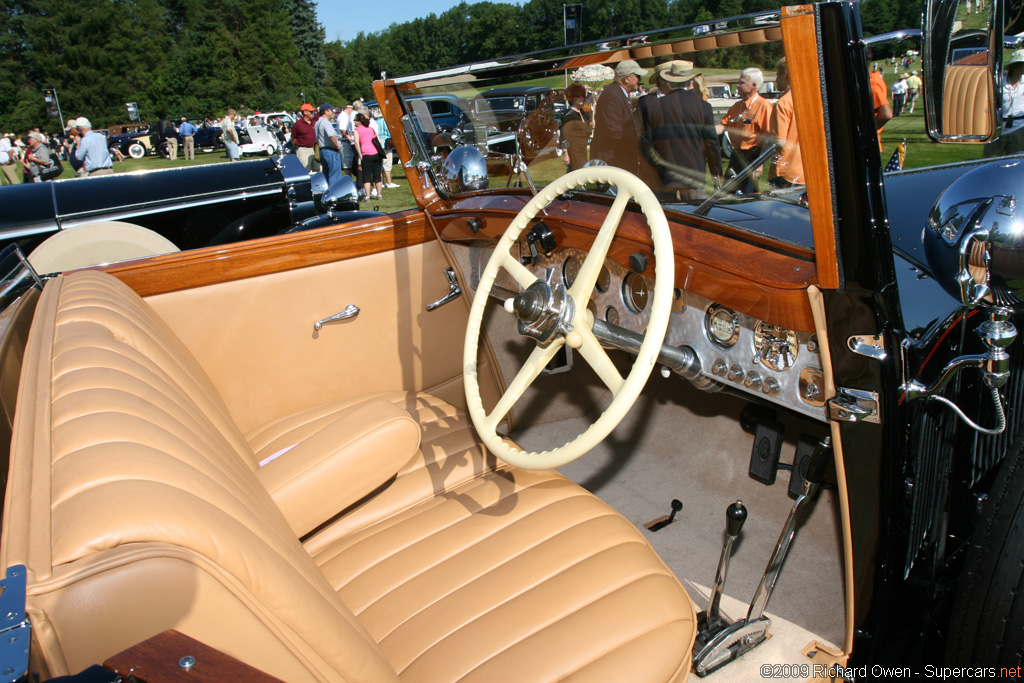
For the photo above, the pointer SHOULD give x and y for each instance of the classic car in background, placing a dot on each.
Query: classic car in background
(146, 212)
(278, 444)
(135, 144)
(207, 137)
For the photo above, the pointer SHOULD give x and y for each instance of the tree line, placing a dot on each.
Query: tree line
(199, 57)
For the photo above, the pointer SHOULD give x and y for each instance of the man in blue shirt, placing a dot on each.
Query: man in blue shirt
(187, 130)
(92, 150)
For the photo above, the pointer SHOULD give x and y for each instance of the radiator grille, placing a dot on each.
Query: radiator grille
(937, 433)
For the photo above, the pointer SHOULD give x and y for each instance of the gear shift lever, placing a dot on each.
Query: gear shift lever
(735, 516)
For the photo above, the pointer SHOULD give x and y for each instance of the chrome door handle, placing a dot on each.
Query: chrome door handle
(454, 291)
(350, 311)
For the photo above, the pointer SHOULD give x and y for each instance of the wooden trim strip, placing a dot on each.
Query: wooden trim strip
(213, 265)
(800, 36)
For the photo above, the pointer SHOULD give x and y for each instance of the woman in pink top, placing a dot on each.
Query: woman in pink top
(369, 157)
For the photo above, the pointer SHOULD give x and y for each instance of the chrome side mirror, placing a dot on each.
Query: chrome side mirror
(962, 58)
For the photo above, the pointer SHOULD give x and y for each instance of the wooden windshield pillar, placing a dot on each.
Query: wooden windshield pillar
(800, 37)
(391, 108)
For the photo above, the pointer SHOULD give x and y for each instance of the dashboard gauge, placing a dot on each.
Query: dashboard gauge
(604, 279)
(678, 301)
(570, 270)
(635, 292)
(722, 326)
(611, 315)
(774, 346)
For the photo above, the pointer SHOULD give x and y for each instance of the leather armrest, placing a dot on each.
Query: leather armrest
(335, 467)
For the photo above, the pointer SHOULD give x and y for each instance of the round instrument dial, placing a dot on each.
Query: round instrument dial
(604, 280)
(722, 326)
(775, 347)
(611, 315)
(635, 292)
(570, 270)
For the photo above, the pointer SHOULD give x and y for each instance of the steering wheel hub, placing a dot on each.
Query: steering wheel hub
(544, 312)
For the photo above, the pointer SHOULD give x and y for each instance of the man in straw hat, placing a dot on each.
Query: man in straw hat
(617, 131)
(680, 139)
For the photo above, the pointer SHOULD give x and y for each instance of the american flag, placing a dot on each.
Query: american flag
(896, 162)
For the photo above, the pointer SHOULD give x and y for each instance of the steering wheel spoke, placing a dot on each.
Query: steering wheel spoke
(591, 267)
(600, 361)
(533, 366)
(624, 390)
(520, 273)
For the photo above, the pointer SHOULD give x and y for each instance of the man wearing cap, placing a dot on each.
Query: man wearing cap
(617, 133)
(74, 140)
(913, 89)
(229, 134)
(680, 139)
(92, 150)
(187, 130)
(746, 122)
(304, 137)
(7, 163)
(330, 144)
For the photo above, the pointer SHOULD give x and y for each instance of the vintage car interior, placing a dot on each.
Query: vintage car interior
(332, 454)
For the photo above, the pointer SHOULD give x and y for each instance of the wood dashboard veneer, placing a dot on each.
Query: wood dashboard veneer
(766, 283)
(212, 265)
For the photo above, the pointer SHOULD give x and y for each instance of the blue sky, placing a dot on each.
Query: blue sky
(343, 19)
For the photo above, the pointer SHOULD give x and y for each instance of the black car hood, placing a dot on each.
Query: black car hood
(45, 207)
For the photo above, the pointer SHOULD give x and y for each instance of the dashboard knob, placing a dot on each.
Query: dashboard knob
(736, 372)
(719, 368)
(753, 380)
(771, 386)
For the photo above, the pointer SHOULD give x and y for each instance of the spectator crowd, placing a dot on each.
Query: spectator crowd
(351, 140)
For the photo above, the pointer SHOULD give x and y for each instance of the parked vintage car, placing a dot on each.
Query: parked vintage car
(135, 144)
(207, 138)
(168, 210)
(331, 455)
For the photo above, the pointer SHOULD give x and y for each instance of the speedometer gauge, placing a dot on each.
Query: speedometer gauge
(774, 346)
(722, 326)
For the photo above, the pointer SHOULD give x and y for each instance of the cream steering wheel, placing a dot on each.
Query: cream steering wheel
(569, 321)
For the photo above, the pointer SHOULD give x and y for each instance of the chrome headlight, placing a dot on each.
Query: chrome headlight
(464, 170)
(974, 236)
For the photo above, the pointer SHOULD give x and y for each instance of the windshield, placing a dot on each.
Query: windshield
(685, 110)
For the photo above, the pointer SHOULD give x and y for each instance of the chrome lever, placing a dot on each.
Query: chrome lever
(454, 291)
(350, 311)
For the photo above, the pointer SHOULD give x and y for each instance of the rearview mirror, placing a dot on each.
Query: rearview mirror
(962, 59)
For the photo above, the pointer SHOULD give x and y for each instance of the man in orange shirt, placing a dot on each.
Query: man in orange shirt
(880, 104)
(787, 168)
(746, 122)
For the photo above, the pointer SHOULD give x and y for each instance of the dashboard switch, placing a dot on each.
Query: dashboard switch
(719, 368)
(771, 386)
(736, 373)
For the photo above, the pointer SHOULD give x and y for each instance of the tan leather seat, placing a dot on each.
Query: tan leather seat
(138, 506)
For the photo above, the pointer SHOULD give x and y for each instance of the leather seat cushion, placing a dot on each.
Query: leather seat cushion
(462, 568)
(514, 575)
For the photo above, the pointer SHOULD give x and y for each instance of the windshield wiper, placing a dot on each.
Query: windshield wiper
(737, 180)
